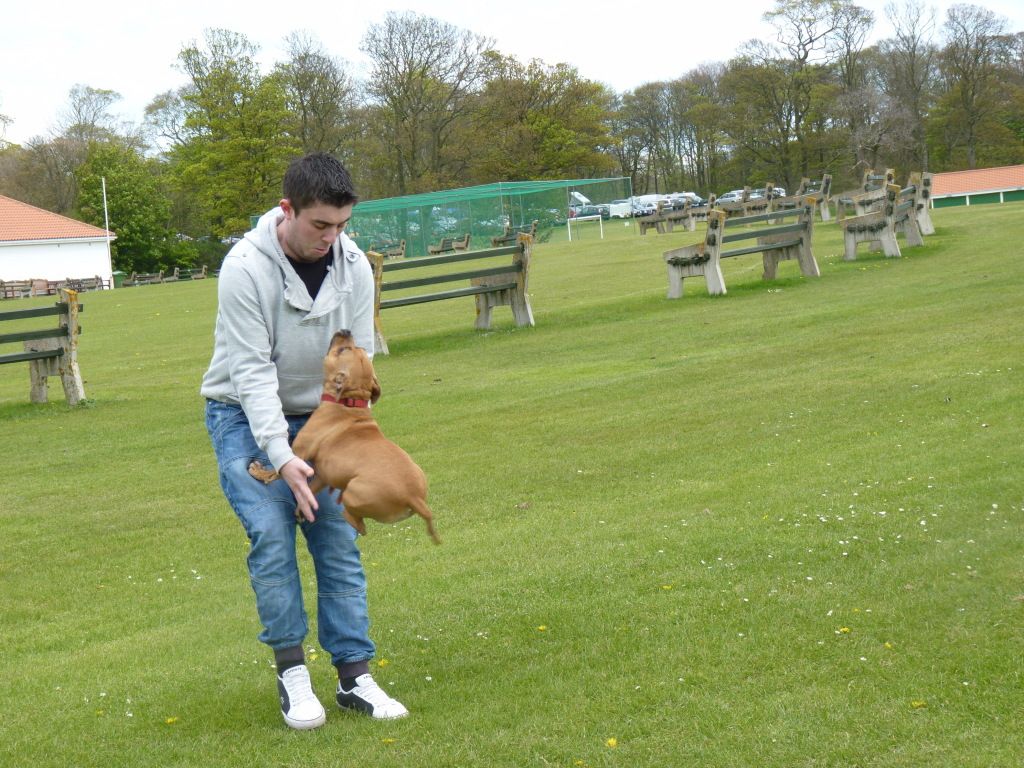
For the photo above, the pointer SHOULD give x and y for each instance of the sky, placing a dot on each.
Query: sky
(132, 47)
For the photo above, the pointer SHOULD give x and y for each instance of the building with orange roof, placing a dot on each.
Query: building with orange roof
(36, 244)
(983, 185)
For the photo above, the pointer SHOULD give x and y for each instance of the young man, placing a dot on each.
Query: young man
(283, 291)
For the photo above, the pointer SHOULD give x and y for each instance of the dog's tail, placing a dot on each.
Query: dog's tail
(419, 506)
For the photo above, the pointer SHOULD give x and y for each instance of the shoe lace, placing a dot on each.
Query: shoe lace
(300, 689)
(368, 689)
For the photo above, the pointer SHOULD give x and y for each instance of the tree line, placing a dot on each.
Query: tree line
(443, 108)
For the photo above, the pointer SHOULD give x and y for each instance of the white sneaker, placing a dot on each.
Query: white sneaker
(299, 705)
(370, 698)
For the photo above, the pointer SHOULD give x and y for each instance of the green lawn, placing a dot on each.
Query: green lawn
(780, 527)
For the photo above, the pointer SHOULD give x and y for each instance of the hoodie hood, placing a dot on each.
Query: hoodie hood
(343, 253)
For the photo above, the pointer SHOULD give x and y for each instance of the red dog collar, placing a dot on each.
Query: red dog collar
(351, 402)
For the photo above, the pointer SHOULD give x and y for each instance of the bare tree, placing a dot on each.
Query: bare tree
(907, 73)
(424, 71)
(968, 62)
(320, 94)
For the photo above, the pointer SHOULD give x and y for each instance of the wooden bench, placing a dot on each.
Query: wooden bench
(48, 351)
(81, 284)
(775, 240)
(878, 228)
(870, 196)
(389, 250)
(748, 205)
(15, 289)
(492, 286)
(683, 217)
(145, 278)
(655, 221)
(447, 245)
(898, 216)
(511, 234)
(463, 244)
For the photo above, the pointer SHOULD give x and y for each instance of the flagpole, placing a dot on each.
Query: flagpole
(106, 228)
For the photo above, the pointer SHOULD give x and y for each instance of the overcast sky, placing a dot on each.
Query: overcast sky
(132, 47)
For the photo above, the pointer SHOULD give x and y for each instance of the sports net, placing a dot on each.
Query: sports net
(483, 212)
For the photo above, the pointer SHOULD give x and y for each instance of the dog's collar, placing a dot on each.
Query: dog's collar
(351, 402)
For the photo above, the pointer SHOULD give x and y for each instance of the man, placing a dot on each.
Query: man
(283, 291)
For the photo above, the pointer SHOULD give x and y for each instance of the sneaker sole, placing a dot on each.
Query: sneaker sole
(305, 725)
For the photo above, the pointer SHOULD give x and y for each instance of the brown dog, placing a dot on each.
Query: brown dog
(375, 478)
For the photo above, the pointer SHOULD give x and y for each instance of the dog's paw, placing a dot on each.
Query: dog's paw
(261, 473)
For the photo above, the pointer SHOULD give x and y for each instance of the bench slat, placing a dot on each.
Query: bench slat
(739, 221)
(450, 277)
(18, 314)
(423, 298)
(730, 237)
(46, 333)
(18, 357)
(448, 258)
(761, 248)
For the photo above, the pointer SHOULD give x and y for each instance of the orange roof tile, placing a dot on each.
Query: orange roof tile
(21, 221)
(980, 180)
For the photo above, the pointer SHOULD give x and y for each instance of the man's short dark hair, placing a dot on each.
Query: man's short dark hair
(318, 178)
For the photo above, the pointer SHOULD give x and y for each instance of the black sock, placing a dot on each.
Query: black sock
(349, 671)
(286, 658)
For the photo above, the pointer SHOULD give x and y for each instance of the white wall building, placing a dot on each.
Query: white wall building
(38, 244)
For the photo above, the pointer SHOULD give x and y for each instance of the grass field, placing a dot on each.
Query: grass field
(780, 527)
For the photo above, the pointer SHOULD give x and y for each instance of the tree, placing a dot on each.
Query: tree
(424, 73)
(320, 97)
(534, 121)
(138, 207)
(968, 64)
(906, 70)
(234, 151)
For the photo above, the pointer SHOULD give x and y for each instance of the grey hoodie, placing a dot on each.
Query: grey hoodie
(271, 337)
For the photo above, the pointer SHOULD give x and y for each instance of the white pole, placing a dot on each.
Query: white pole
(106, 228)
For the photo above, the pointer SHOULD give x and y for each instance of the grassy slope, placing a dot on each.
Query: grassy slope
(660, 520)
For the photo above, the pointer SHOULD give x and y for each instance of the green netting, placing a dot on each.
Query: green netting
(483, 211)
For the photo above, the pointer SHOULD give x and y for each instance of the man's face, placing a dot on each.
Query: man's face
(308, 235)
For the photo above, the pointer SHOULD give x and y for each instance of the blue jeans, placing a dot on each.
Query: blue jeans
(267, 513)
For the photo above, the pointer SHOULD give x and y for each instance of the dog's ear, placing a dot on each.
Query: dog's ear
(374, 389)
(339, 379)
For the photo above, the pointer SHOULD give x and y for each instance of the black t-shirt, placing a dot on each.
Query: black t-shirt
(312, 273)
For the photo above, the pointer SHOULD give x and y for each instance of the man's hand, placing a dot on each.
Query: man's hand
(297, 473)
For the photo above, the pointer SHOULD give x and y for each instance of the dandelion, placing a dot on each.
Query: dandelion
(542, 628)
(844, 630)
(387, 741)
(612, 743)
(666, 586)
(382, 662)
(918, 704)
(171, 720)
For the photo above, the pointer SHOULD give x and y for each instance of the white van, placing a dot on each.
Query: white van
(620, 209)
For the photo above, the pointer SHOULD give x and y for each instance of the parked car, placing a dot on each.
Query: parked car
(644, 208)
(734, 196)
(591, 210)
(620, 209)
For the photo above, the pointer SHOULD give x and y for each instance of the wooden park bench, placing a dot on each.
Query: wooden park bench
(195, 273)
(389, 250)
(511, 234)
(81, 284)
(870, 196)
(461, 244)
(145, 278)
(447, 245)
(898, 215)
(655, 221)
(775, 240)
(48, 351)
(682, 217)
(500, 277)
(15, 289)
(748, 205)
